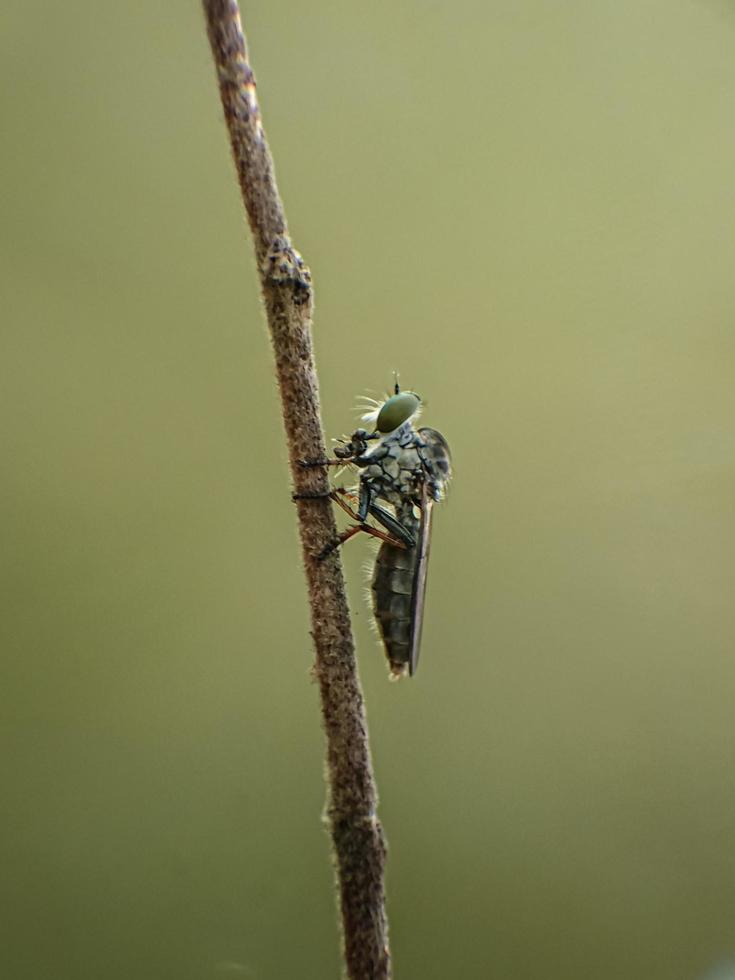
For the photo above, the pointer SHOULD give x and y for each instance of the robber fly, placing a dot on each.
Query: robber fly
(407, 469)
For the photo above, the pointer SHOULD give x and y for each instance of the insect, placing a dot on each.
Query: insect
(407, 469)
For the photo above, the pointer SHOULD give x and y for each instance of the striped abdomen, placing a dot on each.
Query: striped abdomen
(393, 603)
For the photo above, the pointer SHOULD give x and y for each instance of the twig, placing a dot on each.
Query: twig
(359, 844)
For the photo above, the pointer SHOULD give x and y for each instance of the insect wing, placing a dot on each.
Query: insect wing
(419, 579)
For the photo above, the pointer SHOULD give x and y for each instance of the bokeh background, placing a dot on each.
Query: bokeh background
(527, 208)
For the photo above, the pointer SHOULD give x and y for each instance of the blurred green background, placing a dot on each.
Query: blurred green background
(529, 209)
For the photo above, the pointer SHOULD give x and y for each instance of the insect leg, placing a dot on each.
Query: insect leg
(366, 506)
(352, 531)
(311, 495)
(336, 494)
(310, 464)
(366, 499)
(399, 537)
(395, 527)
(352, 451)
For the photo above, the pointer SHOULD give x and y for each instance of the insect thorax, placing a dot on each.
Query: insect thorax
(394, 469)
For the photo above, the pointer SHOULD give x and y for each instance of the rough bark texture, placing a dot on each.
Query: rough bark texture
(359, 844)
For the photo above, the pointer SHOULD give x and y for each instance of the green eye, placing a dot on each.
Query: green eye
(397, 410)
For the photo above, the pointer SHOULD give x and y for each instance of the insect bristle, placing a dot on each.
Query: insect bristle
(369, 409)
(373, 406)
(368, 564)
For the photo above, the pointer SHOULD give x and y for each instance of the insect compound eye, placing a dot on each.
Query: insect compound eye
(396, 410)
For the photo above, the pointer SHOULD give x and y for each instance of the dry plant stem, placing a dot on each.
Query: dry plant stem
(359, 844)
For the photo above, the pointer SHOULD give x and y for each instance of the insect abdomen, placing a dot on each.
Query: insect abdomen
(393, 585)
